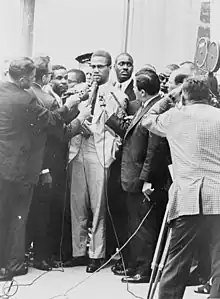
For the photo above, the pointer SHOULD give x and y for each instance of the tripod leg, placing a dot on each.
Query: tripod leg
(161, 265)
(158, 251)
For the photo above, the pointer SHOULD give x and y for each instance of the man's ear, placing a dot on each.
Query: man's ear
(143, 93)
(21, 81)
(44, 79)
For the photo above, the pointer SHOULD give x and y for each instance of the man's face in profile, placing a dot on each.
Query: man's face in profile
(60, 81)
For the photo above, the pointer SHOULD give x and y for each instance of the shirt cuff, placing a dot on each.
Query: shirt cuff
(44, 171)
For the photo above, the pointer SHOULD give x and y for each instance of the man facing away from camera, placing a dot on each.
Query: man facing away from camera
(192, 131)
(144, 171)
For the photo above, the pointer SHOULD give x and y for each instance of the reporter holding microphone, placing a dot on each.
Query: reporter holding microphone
(24, 122)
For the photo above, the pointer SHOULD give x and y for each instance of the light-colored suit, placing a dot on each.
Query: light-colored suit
(89, 160)
(193, 133)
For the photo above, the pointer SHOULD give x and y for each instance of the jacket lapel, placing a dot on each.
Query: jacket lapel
(136, 118)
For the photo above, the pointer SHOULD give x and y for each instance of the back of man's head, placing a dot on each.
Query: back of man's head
(42, 66)
(148, 81)
(148, 67)
(21, 67)
(196, 89)
(180, 76)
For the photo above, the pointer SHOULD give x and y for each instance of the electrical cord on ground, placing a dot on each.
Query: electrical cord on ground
(117, 240)
(6, 294)
(110, 215)
(6, 290)
(112, 257)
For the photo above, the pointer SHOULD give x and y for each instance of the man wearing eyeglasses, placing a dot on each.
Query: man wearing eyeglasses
(164, 76)
(90, 161)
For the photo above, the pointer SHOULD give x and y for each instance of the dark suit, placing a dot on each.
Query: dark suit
(118, 207)
(143, 160)
(23, 123)
(40, 230)
(133, 104)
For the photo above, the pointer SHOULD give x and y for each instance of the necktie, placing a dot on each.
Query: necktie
(93, 97)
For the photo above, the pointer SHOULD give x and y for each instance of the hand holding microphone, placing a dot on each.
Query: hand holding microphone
(84, 111)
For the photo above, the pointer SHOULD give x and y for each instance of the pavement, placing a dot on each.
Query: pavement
(75, 283)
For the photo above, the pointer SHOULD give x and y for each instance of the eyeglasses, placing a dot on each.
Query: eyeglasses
(99, 66)
(163, 77)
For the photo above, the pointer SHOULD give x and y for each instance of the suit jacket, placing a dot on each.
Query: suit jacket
(23, 123)
(143, 154)
(193, 133)
(56, 142)
(133, 104)
(103, 138)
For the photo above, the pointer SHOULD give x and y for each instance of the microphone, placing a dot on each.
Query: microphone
(102, 99)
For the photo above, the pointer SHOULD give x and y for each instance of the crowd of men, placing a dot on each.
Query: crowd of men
(83, 159)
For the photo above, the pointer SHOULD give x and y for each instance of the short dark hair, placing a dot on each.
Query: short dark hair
(148, 81)
(41, 63)
(126, 54)
(56, 67)
(105, 54)
(180, 78)
(21, 67)
(81, 77)
(196, 88)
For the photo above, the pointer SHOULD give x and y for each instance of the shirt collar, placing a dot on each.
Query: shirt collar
(124, 85)
(37, 85)
(149, 100)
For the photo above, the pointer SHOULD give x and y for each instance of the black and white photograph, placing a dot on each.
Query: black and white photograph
(109, 149)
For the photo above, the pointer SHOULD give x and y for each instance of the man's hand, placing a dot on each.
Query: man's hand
(147, 189)
(175, 94)
(46, 178)
(84, 111)
(72, 101)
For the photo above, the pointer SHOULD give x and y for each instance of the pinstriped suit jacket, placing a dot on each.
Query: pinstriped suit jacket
(193, 133)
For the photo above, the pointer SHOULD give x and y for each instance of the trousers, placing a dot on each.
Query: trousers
(88, 194)
(189, 232)
(15, 200)
(143, 244)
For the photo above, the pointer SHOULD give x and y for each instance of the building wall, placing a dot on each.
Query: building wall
(73, 27)
(164, 31)
(161, 31)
